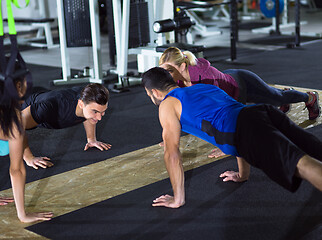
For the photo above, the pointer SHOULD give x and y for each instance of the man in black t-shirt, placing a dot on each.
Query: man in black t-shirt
(65, 108)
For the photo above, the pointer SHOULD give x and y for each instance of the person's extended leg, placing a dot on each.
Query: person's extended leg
(309, 166)
(259, 91)
(254, 90)
(311, 170)
(270, 141)
(303, 139)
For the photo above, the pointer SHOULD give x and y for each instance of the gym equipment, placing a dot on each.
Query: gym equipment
(8, 73)
(196, 49)
(233, 19)
(314, 4)
(180, 24)
(148, 56)
(43, 26)
(139, 24)
(276, 25)
(268, 7)
(233, 29)
(121, 15)
(77, 23)
(250, 15)
(7, 64)
(200, 27)
(169, 25)
(97, 74)
(297, 23)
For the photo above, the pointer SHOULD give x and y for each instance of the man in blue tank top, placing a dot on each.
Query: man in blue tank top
(258, 135)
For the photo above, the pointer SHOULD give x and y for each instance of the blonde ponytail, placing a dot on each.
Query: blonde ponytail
(175, 56)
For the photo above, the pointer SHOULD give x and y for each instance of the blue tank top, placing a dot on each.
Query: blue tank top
(4, 148)
(210, 114)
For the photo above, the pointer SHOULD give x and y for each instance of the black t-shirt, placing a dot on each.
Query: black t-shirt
(55, 109)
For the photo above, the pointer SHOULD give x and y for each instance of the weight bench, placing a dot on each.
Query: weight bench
(203, 29)
(196, 49)
(208, 5)
(233, 19)
(44, 32)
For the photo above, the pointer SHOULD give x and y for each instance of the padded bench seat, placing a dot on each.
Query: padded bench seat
(194, 4)
(182, 46)
(44, 31)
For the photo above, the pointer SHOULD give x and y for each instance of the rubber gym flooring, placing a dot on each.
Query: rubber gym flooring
(108, 195)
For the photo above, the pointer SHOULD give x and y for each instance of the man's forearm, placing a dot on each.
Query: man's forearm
(90, 130)
(27, 154)
(175, 169)
(243, 168)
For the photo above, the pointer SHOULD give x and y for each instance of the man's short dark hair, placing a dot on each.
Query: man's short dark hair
(94, 92)
(157, 78)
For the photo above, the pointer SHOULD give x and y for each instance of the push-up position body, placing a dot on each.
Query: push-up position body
(65, 108)
(241, 84)
(258, 135)
(11, 142)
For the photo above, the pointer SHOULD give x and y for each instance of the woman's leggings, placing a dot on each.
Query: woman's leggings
(252, 89)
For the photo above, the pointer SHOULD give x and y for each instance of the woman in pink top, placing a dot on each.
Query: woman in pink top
(242, 85)
(202, 72)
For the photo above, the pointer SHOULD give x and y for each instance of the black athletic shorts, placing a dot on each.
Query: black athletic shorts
(263, 139)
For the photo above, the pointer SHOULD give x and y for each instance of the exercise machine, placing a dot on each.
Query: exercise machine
(279, 26)
(92, 74)
(42, 23)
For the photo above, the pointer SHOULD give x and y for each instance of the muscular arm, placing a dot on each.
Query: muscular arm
(18, 180)
(28, 122)
(30, 159)
(243, 168)
(17, 173)
(240, 176)
(90, 130)
(172, 157)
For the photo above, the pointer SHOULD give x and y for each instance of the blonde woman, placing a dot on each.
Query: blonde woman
(243, 85)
